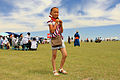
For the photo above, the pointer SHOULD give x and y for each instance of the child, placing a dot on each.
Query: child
(56, 28)
(34, 44)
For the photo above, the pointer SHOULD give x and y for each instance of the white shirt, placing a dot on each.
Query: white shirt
(25, 39)
(37, 39)
(34, 45)
(5, 41)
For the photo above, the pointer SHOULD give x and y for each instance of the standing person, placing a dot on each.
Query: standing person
(37, 39)
(1, 42)
(69, 40)
(56, 30)
(20, 40)
(29, 42)
(26, 41)
(76, 41)
(10, 40)
(87, 40)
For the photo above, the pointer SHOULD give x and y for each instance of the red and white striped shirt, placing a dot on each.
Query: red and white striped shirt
(57, 31)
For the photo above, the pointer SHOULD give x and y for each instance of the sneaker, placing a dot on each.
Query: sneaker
(62, 71)
(55, 73)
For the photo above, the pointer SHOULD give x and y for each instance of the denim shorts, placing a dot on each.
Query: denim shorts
(58, 47)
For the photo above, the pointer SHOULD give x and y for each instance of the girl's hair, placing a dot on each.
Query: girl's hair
(52, 9)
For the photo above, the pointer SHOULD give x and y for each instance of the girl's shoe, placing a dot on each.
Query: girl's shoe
(55, 73)
(62, 71)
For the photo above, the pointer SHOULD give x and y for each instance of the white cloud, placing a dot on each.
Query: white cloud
(115, 13)
(24, 17)
(25, 14)
(95, 11)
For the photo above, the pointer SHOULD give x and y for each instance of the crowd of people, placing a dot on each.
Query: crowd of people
(18, 42)
(77, 40)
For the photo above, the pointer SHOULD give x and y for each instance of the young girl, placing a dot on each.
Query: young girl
(56, 28)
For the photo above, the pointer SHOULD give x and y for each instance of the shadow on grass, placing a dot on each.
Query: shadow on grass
(39, 72)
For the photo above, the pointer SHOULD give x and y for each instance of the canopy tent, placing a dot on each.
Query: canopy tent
(4, 34)
(11, 33)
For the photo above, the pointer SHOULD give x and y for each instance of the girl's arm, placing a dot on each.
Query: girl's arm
(61, 26)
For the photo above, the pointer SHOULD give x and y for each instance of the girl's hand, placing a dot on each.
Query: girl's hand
(60, 21)
(57, 20)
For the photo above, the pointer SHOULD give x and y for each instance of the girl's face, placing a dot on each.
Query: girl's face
(54, 12)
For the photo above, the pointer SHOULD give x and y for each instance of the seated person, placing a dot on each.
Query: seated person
(6, 43)
(34, 44)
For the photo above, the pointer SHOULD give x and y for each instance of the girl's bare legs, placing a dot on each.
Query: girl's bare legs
(64, 55)
(54, 52)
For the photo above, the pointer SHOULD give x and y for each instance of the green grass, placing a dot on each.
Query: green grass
(100, 61)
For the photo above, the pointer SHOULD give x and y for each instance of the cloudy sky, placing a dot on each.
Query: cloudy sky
(32, 15)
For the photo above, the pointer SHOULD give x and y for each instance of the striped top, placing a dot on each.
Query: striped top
(57, 31)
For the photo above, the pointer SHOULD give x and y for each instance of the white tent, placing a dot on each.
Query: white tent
(4, 34)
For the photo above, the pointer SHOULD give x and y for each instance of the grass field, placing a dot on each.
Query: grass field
(100, 61)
